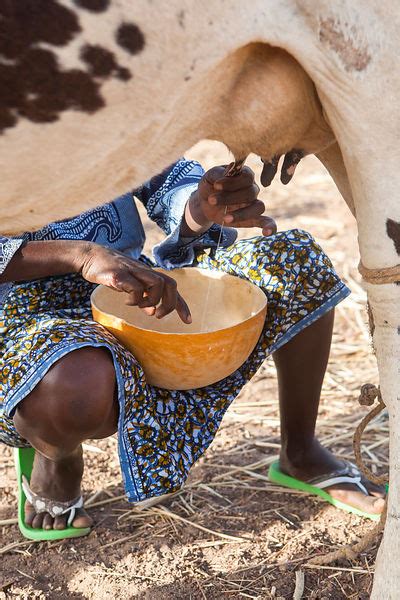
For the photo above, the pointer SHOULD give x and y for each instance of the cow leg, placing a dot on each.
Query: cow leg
(385, 306)
(375, 204)
(373, 208)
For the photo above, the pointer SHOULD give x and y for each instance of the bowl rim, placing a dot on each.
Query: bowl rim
(177, 333)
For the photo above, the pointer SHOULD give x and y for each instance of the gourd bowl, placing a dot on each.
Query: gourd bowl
(228, 317)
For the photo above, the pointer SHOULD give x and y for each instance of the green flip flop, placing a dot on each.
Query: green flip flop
(348, 474)
(23, 464)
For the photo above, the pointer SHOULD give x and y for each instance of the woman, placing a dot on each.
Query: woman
(65, 379)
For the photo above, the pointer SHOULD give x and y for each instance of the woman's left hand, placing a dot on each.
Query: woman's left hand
(230, 201)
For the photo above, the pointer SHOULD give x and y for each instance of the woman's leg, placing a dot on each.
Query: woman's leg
(301, 365)
(73, 402)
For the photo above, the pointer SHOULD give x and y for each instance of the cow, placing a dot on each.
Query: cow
(97, 96)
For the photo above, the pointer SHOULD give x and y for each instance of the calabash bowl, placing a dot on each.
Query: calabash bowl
(228, 316)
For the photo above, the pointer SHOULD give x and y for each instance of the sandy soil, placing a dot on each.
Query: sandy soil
(229, 533)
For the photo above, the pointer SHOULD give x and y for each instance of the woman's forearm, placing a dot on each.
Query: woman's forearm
(35, 260)
(194, 222)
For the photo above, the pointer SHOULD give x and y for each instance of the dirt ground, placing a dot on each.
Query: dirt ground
(229, 533)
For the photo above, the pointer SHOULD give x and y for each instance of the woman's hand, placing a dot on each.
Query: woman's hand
(229, 201)
(155, 292)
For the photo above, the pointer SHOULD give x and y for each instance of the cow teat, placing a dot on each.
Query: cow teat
(290, 163)
(270, 167)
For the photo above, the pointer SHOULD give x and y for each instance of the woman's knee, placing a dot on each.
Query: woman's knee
(76, 395)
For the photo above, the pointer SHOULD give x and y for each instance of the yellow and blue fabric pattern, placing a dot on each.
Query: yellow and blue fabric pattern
(161, 433)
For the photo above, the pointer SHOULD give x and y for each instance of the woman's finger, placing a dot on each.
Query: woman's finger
(169, 299)
(153, 293)
(245, 214)
(150, 310)
(172, 300)
(126, 282)
(153, 283)
(214, 174)
(243, 195)
(268, 226)
(183, 310)
(149, 288)
(230, 184)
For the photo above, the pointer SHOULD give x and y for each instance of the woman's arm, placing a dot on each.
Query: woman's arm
(34, 260)
(165, 195)
(155, 292)
(190, 206)
(8, 247)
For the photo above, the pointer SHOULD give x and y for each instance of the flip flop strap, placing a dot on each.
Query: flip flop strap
(53, 507)
(342, 479)
(348, 474)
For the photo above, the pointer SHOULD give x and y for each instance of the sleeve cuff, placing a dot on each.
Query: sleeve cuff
(177, 251)
(8, 247)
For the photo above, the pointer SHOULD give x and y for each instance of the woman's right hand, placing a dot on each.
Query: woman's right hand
(154, 292)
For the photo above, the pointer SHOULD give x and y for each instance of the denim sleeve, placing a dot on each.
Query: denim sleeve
(165, 197)
(8, 247)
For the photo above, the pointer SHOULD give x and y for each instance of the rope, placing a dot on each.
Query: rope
(368, 394)
(380, 276)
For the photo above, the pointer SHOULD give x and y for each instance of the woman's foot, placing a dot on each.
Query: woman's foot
(316, 461)
(60, 481)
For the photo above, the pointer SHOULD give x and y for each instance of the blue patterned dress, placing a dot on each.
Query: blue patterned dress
(161, 433)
